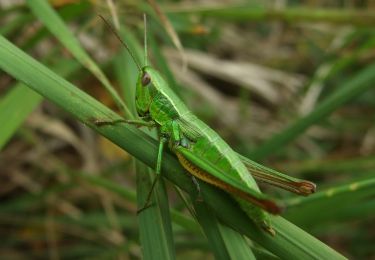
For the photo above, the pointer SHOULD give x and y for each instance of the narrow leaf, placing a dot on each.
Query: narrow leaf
(358, 84)
(56, 25)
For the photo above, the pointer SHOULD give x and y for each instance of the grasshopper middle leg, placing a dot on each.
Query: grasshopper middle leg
(162, 142)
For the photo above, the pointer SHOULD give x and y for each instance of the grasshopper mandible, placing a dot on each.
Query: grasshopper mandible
(200, 150)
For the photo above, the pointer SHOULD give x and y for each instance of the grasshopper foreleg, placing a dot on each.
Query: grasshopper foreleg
(137, 123)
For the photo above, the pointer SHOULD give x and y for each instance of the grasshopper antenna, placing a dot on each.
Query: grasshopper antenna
(122, 42)
(145, 38)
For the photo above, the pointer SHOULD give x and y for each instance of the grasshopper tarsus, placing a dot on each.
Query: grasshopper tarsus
(104, 122)
(199, 197)
(269, 230)
(144, 208)
(148, 199)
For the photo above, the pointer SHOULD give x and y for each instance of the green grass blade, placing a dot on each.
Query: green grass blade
(321, 167)
(154, 223)
(12, 115)
(130, 195)
(358, 84)
(237, 246)
(290, 241)
(161, 63)
(126, 74)
(303, 210)
(14, 24)
(210, 227)
(126, 70)
(225, 243)
(55, 24)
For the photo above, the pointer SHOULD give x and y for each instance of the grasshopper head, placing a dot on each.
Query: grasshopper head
(150, 83)
(145, 91)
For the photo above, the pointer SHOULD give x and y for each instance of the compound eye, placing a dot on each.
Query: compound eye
(145, 79)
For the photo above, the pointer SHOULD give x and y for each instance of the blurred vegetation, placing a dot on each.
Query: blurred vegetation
(288, 83)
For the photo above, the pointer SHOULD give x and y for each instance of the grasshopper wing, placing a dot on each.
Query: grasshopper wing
(275, 178)
(210, 173)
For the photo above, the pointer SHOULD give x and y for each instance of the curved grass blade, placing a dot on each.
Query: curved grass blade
(225, 243)
(237, 245)
(55, 24)
(170, 30)
(358, 84)
(302, 210)
(17, 22)
(130, 195)
(12, 115)
(155, 224)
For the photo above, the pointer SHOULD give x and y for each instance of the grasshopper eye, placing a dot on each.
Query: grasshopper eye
(145, 79)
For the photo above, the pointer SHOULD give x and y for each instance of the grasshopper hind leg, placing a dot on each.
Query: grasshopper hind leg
(184, 142)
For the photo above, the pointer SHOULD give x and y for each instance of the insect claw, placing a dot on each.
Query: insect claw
(101, 122)
(269, 229)
(196, 184)
(144, 207)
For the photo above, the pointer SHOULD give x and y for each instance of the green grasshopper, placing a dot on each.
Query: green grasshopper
(201, 151)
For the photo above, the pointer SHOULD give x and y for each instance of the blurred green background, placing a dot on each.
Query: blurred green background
(286, 83)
